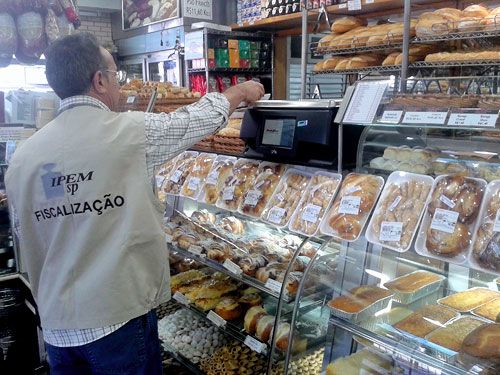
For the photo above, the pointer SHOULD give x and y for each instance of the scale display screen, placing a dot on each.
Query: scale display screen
(279, 132)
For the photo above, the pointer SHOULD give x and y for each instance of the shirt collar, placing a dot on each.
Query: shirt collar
(78, 100)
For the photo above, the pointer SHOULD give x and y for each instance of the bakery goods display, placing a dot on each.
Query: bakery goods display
(259, 193)
(228, 308)
(426, 320)
(469, 299)
(222, 168)
(286, 197)
(489, 310)
(454, 333)
(482, 343)
(179, 173)
(236, 184)
(352, 206)
(199, 172)
(398, 212)
(358, 299)
(315, 201)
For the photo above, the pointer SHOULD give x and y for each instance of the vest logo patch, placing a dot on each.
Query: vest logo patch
(55, 184)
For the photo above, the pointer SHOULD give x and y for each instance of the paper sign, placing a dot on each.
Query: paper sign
(391, 231)
(130, 99)
(228, 193)
(232, 267)
(354, 4)
(429, 118)
(391, 117)
(252, 198)
(447, 201)
(342, 6)
(473, 119)
(276, 215)
(496, 226)
(255, 344)
(365, 102)
(216, 319)
(175, 177)
(181, 298)
(444, 220)
(201, 9)
(349, 205)
(311, 213)
(274, 285)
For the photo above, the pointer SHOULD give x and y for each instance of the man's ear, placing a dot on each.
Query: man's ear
(98, 82)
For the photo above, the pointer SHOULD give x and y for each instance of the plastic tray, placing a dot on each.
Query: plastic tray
(275, 213)
(254, 204)
(215, 179)
(181, 170)
(194, 182)
(420, 244)
(492, 188)
(238, 179)
(409, 297)
(325, 227)
(397, 178)
(440, 301)
(318, 212)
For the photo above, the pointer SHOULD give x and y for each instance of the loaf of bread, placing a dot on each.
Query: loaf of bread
(390, 59)
(490, 310)
(345, 24)
(425, 320)
(469, 299)
(331, 63)
(452, 336)
(359, 298)
(412, 282)
(483, 342)
(476, 11)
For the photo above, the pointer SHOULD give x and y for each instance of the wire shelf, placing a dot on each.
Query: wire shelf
(458, 36)
(367, 70)
(455, 64)
(319, 51)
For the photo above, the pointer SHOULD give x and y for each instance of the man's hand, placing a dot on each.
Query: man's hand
(249, 91)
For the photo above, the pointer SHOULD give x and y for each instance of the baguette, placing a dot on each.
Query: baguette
(390, 59)
(345, 24)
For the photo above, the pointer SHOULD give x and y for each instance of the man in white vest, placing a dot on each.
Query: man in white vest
(89, 224)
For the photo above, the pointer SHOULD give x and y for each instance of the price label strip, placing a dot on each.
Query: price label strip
(391, 117)
(444, 220)
(276, 215)
(232, 267)
(274, 285)
(483, 120)
(430, 118)
(255, 345)
(181, 298)
(311, 213)
(216, 319)
(252, 198)
(391, 231)
(349, 205)
(196, 250)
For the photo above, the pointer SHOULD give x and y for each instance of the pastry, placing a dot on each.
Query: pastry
(345, 24)
(271, 271)
(237, 184)
(250, 300)
(470, 299)
(452, 336)
(264, 328)
(425, 320)
(205, 304)
(448, 244)
(203, 217)
(359, 298)
(251, 263)
(199, 172)
(489, 310)
(412, 282)
(232, 224)
(185, 278)
(221, 170)
(252, 316)
(228, 308)
(218, 251)
(181, 170)
(186, 240)
(482, 343)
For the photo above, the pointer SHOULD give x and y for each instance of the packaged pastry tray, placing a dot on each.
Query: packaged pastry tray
(181, 170)
(364, 314)
(194, 182)
(236, 185)
(494, 223)
(472, 290)
(407, 298)
(215, 180)
(446, 221)
(396, 230)
(280, 208)
(308, 213)
(327, 229)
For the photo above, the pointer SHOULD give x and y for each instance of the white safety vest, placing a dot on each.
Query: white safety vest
(91, 228)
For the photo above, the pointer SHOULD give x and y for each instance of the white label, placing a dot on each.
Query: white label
(280, 197)
(130, 99)
(228, 193)
(255, 344)
(276, 215)
(444, 220)
(430, 118)
(447, 201)
(181, 298)
(311, 213)
(201, 9)
(252, 198)
(342, 6)
(194, 183)
(349, 205)
(212, 178)
(473, 119)
(260, 183)
(232, 267)
(159, 181)
(365, 102)
(168, 238)
(395, 203)
(391, 231)
(369, 1)
(496, 226)
(196, 250)
(274, 285)
(216, 319)
(353, 189)
(391, 117)
(354, 4)
(175, 177)
(196, 168)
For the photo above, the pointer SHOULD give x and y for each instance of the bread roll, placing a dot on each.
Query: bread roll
(432, 24)
(411, 59)
(345, 24)
(361, 38)
(476, 11)
(451, 14)
(390, 59)
(331, 63)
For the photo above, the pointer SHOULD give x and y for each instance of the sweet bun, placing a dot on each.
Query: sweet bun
(446, 244)
(250, 300)
(232, 224)
(228, 308)
(345, 24)
(347, 226)
(253, 315)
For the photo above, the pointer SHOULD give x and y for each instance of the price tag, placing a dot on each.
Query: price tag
(181, 298)
(395, 203)
(349, 205)
(175, 177)
(391, 117)
(280, 197)
(196, 250)
(193, 184)
(228, 193)
(255, 344)
(430, 118)
(276, 215)
(447, 201)
(444, 220)
(274, 285)
(354, 4)
(159, 181)
(311, 213)
(168, 238)
(212, 178)
(496, 226)
(232, 267)
(391, 231)
(252, 198)
(216, 319)
(473, 119)
(131, 100)
(369, 1)
(196, 168)
(342, 6)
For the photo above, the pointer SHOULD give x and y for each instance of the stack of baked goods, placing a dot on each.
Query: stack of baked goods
(228, 140)
(181, 169)
(486, 249)
(406, 159)
(199, 173)
(464, 56)
(222, 168)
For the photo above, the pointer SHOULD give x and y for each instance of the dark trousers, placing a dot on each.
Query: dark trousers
(134, 349)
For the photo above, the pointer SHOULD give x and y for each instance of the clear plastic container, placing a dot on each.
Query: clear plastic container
(450, 217)
(485, 253)
(235, 186)
(352, 206)
(315, 202)
(194, 182)
(255, 199)
(180, 171)
(399, 210)
(286, 197)
(222, 168)
(161, 176)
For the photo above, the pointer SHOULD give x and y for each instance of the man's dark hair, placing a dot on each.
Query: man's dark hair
(71, 62)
